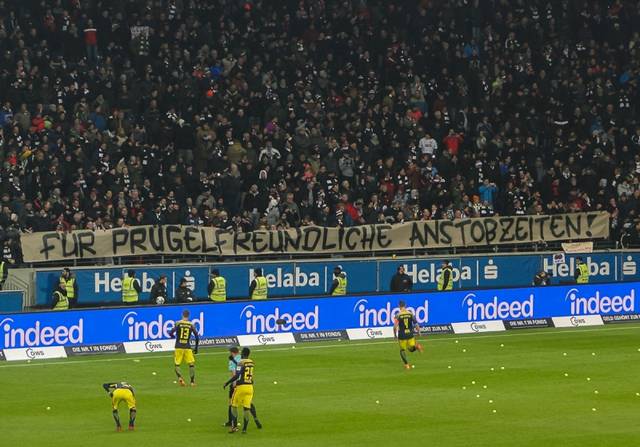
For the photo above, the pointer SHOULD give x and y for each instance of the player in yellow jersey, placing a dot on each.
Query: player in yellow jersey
(183, 330)
(122, 392)
(405, 327)
(243, 392)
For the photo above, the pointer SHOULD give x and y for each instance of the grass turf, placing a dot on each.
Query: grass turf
(326, 394)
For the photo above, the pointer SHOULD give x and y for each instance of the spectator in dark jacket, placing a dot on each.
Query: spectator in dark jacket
(183, 293)
(401, 282)
(158, 294)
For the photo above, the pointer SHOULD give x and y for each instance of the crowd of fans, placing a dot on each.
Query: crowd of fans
(274, 114)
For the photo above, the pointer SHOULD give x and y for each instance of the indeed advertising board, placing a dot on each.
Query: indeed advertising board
(29, 335)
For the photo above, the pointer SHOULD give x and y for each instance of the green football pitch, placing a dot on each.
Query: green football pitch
(573, 387)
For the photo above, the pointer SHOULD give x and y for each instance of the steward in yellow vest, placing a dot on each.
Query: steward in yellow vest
(258, 289)
(130, 288)
(445, 280)
(582, 272)
(60, 300)
(339, 285)
(217, 287)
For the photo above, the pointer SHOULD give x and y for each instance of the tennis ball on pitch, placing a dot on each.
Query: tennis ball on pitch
(48, 408)
(464, 350)
(593, 409)
(413, 366)
(595, 392)
(490, 401)
(449, 367)
(275, 382)
(378, 402)
(477, 395)
(154, 373)
(566, 374)
(502, 345)
(456, 341)
(493, 369)
(188, 419)
(502, 367)
(484, 386)
(564, 354)
(588, 379)
(473, 382)
(494, 411)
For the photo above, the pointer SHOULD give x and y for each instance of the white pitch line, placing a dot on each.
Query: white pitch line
(446, 337)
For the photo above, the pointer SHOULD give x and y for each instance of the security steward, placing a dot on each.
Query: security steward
(258, 289)
(130, 288)
(339, 285)
(445, 280)
(217, 288)
(71, 286)
(582, 272)
(59, 298)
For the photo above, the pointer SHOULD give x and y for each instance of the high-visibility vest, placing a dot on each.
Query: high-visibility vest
(583, 277)
(63, 301)
(71, 293)
(219, 292)
(260, 292)
(341, 289)
(441, 279)
(129, 294)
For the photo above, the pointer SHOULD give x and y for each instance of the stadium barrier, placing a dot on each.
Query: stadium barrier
(42, 335)
(301, 278)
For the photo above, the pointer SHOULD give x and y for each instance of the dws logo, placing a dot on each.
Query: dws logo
(38, 335)
(266, 339)
(383, 316)
(601, 304)
(497, 309)
(260, 323)
(155, 329)
(35, 353)
(478, 327)
(375, 333)
(153, 347)
(578, 321)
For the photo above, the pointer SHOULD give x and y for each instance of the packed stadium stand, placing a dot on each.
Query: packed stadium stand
(276, 114)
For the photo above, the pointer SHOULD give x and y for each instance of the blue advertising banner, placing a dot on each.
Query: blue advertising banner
(142, 324)
(305, 278)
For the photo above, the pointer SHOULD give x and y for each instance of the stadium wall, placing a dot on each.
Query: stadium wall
(41, 335)
(307, 278)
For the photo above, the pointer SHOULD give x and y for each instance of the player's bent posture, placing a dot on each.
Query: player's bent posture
(234, 360)
(243, 393)
(183, 330)
(122, 392)
(404, 328)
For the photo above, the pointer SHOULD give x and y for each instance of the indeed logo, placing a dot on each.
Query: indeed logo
(282, 278)
(497, 309)
(257, 323)
(105, 283)
(601, 304)
(432, 273)
(39, 335)
(155, 329)
(567, 269)
(383, 316)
